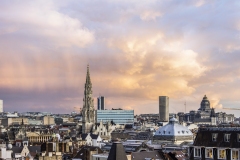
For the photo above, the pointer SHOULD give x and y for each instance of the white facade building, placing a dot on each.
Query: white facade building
(173, 132)
(5, 154)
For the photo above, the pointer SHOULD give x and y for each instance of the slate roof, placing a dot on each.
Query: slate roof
(117, 135)
(117, 152)
(93, 136)
(144, 155)
(32, 149)
(17, 149)
(82, 154)
(204, 137)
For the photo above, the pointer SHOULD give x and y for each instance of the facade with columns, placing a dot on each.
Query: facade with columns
(35, 137)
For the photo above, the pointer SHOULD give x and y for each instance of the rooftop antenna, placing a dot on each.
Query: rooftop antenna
(185, 104)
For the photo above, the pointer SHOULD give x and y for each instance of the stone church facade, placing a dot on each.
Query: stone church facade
(88, 111)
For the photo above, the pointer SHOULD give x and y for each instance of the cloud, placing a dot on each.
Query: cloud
(41, 22)
(137, 51)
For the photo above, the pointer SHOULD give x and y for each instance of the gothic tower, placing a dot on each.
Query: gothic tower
(88, 118)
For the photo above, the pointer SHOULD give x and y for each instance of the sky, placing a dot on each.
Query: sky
(137, 51)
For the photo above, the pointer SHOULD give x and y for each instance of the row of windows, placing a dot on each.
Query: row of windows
(114, 112)
(226, 137)
(221, 153)
(114, 116)
(117, 121)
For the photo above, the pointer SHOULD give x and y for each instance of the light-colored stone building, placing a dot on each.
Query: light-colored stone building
(17, 120)
(48, 120)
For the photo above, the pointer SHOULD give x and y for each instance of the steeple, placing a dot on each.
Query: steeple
(212, 114)
(88, 85)
(88, 105)
(88, 79)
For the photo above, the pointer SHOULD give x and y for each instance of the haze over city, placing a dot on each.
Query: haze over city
(137, 51)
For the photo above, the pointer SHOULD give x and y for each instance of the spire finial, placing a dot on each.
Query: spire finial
(88, 80)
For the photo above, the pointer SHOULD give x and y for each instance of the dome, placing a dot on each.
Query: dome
(9, 146)
(205, 104)
(173, 131)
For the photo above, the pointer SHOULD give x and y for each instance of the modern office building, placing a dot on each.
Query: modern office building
(100, 103)
(117, 116)
(163, 108)
(1, 106)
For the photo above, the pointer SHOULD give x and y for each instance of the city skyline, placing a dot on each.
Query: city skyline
(137, 51)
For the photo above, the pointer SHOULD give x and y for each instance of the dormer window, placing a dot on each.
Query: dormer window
(214, 137)
(227, 137)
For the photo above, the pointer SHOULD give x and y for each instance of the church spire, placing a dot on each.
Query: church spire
(88, 105)
(88, 79)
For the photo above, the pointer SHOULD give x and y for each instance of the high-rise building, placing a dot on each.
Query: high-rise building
(163, 108)
(88, 111)
(1, 106)
(101, 103)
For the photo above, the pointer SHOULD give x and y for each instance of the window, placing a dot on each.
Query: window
(222, 154)
(238, 137)
(214, 137)
(209, 153)
(235, 154)
(197, 152)
(227, 137)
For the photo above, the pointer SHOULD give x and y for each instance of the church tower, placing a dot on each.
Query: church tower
(213, 117)
(88, 115)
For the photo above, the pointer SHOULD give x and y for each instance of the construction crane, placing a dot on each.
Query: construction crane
(232, 108)
(78, 109)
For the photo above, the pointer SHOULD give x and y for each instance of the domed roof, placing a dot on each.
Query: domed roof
(205, 104)
(173, 128)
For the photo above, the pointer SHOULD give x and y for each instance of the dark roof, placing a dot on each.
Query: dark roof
(202, 120)
(69, 124)
(204, 137)
(11, 135)
(212, 114)
(34, 149)
(85, 150)
(176, 155)
(144, 155)
(17, 149)
(117, 135)
(93, 136)
(117, 152)
(31, 149)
